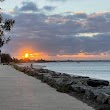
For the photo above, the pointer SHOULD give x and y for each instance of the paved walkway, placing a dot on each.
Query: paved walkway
(21, 92)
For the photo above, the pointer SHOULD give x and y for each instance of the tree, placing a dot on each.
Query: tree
(6, 58)
(5, 25)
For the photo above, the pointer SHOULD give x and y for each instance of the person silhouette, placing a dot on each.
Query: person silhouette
(31, 66)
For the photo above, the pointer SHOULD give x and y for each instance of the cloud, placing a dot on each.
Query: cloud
(57, 0)
(61, 34)
(27, 6)
(48, 8)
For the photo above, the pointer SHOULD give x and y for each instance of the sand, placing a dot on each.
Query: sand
(21, 92)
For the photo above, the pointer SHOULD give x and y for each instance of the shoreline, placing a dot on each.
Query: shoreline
(94, 92)
(95, 71)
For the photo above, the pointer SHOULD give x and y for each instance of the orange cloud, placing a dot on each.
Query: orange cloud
(85, 56)
(79, 56)
(11, 11)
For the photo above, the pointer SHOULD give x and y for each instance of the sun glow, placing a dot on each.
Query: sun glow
(33, 55)
(78, 56)
(26, 55)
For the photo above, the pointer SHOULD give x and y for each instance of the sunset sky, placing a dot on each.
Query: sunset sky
(58, 29)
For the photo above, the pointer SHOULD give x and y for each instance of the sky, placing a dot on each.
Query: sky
(58, 29)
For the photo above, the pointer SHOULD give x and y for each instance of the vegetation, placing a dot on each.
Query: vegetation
(5, 58)
(5, 25)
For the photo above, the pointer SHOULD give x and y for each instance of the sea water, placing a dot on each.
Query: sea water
(100, 70)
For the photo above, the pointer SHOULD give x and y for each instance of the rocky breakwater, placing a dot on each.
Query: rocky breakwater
(90, 88)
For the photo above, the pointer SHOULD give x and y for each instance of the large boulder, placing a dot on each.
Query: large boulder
(103, 98)
(76, 80)
(81, 77)
(70, 81)
(80, 88)
(95, 91)
(96, 83)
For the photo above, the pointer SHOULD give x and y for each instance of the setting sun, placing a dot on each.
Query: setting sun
(26, 55)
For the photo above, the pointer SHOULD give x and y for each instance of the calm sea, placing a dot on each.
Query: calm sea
(100, 70)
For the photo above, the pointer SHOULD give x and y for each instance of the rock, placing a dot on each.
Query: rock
(92, 93)
(95, 91)
(76, 88)
(71, 81)
(96, 83)
(66, 75)
(80, 77)
(47, 75)
(80, 88)
(55, 75)
(103, 107)
(109, 101)
(35, 73)
(51, 82)
(74, 80)
(43, 70)
(64, 88)
(103, 98)
(59, 81)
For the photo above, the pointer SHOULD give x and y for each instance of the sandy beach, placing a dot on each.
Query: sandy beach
(21, 92)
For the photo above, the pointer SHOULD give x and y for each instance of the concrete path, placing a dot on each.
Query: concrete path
(21, 92)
